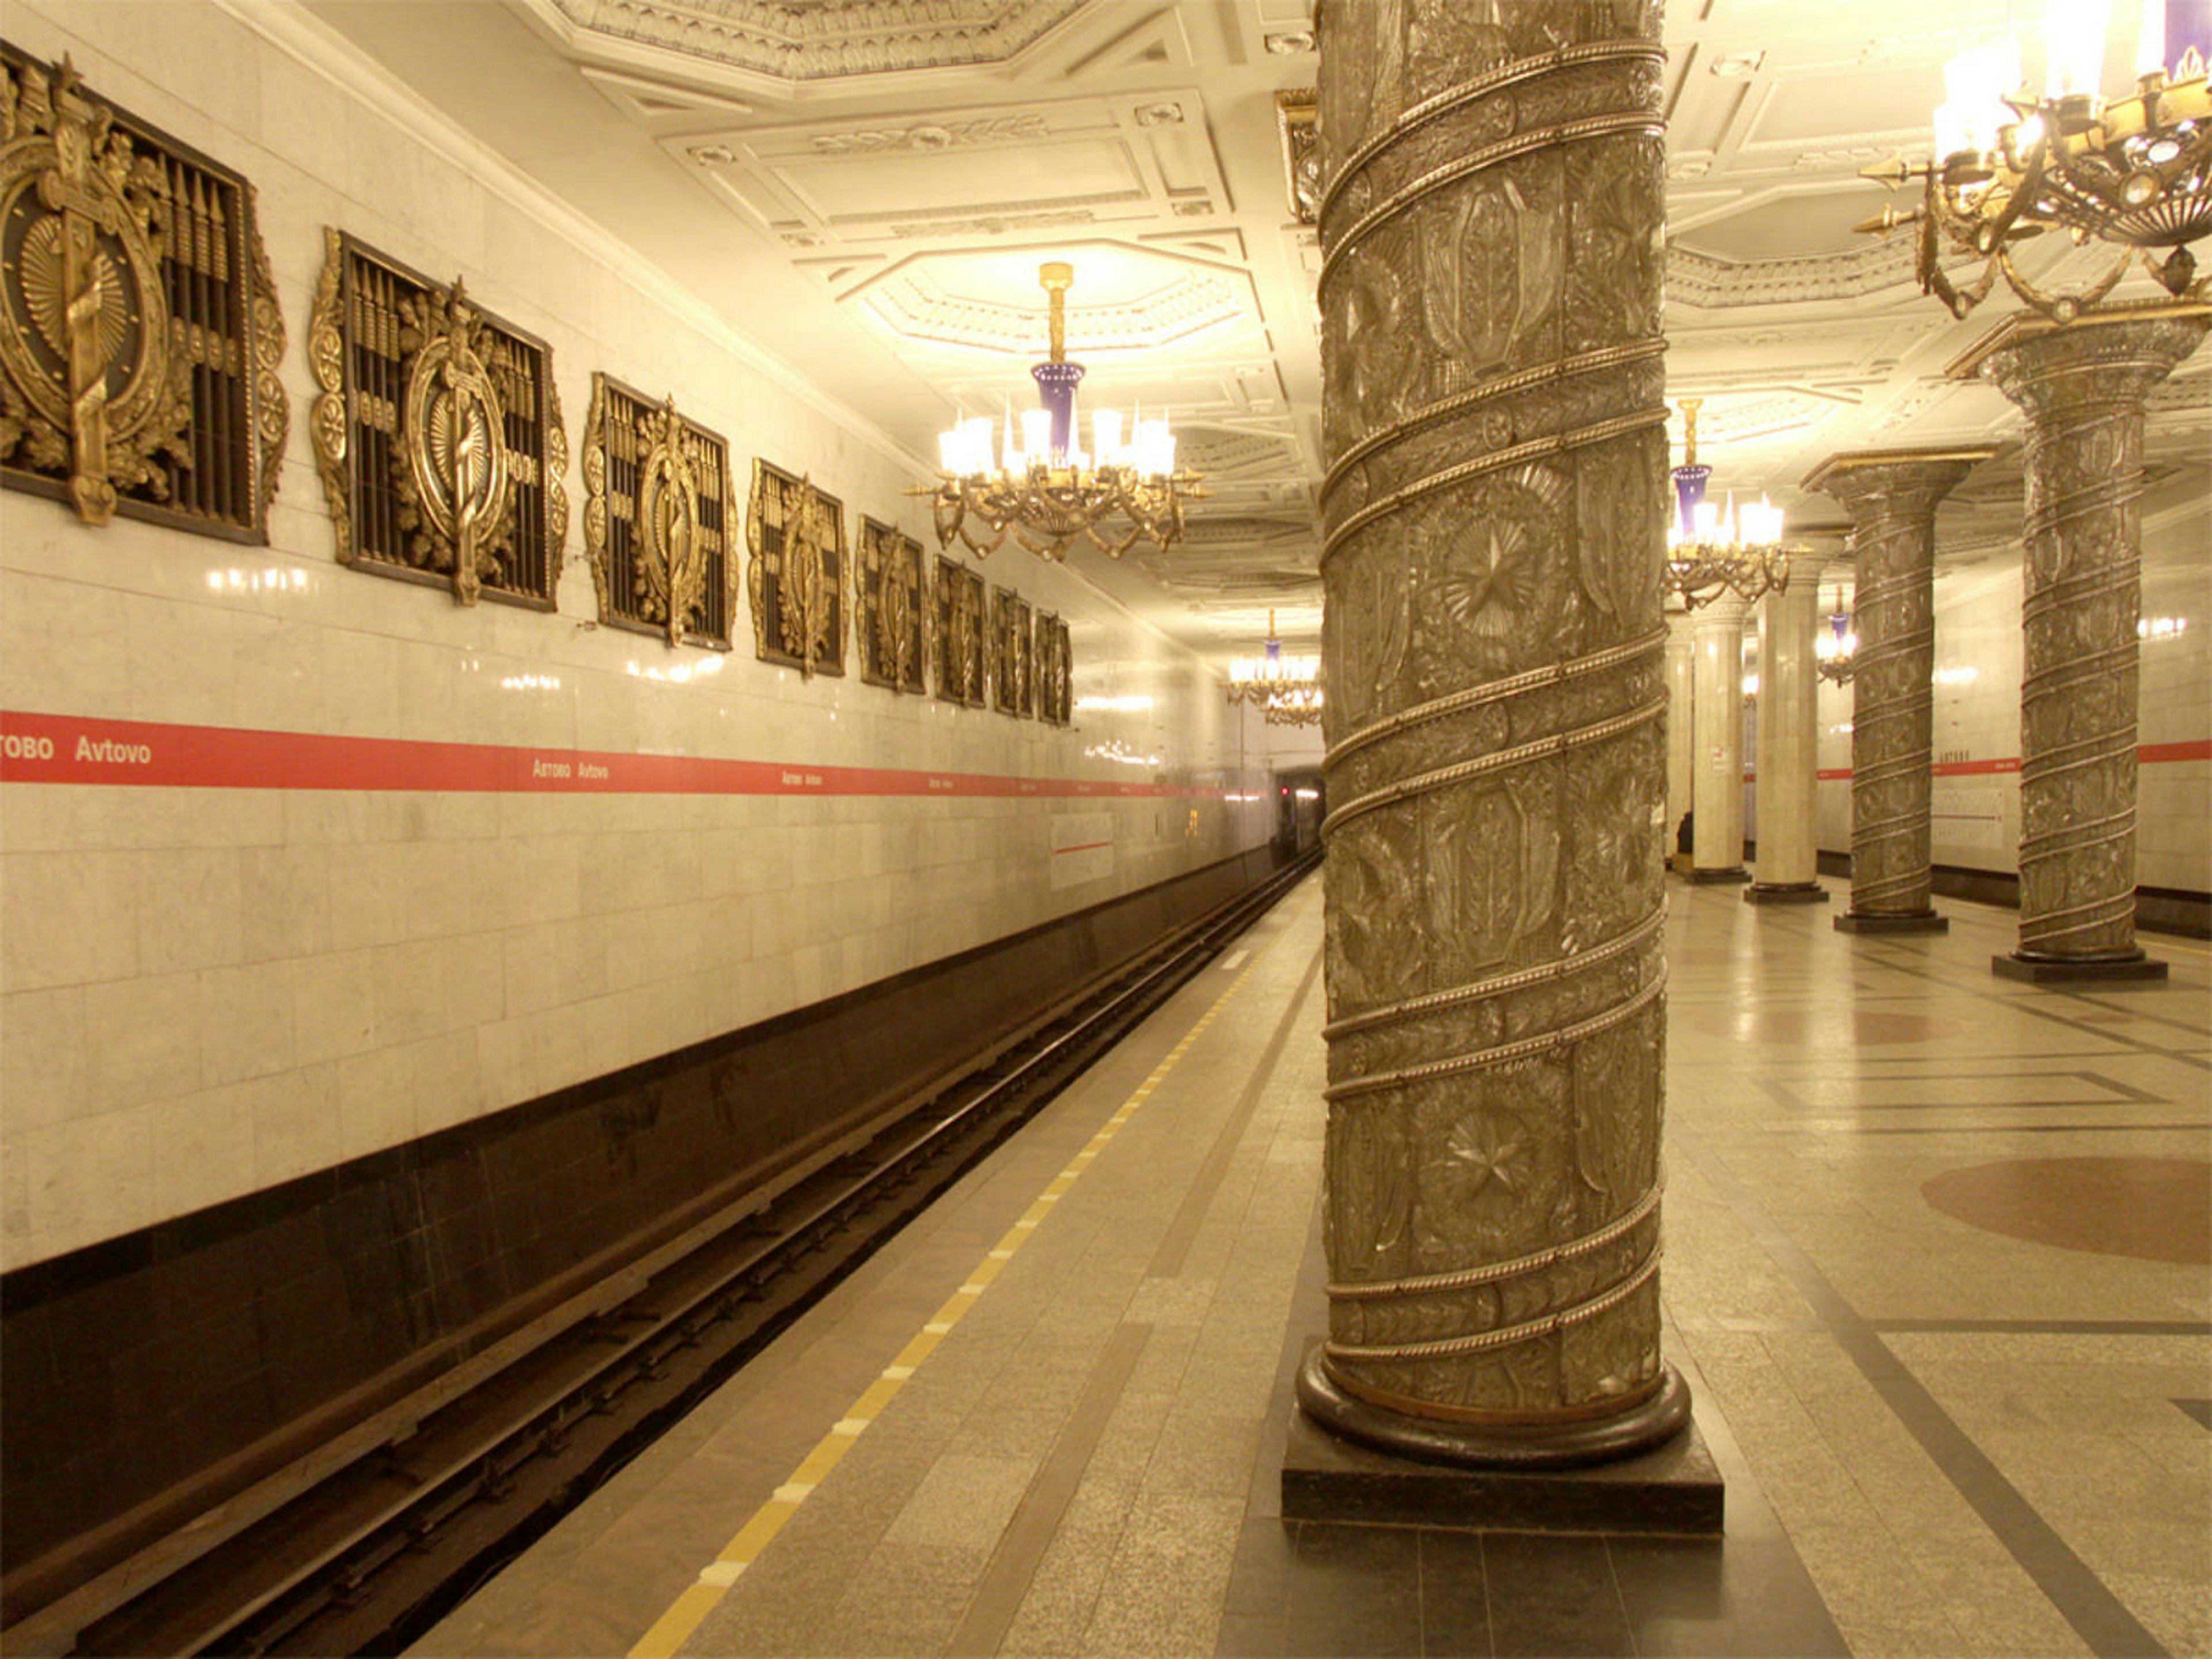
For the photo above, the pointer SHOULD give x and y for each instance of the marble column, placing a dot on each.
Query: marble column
(1716, 786)
(1788, 854)
(1493, 417)
(1892, 496)
(1681, 731)
(2081, 385)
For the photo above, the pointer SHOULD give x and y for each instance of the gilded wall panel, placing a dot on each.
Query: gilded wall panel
(438, 432)
(140, 337)
(960, 625)
(892, 601)
(657, 519)
(1013, 680)
(795, 580)
(1055, 671)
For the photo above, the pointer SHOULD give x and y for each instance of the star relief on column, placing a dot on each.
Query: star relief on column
(1494, 417)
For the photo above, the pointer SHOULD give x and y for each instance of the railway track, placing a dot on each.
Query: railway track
(371, 1553)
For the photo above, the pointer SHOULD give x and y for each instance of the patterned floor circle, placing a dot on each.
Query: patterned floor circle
(2155, 1209)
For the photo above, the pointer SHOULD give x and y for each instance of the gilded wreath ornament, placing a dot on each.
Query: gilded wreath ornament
(95, 384)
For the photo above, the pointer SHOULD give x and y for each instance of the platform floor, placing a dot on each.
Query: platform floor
(1939, 1271)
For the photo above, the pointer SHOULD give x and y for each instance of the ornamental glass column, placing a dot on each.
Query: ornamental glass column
(2081, 385)
(1892, 496)
(1494, 422)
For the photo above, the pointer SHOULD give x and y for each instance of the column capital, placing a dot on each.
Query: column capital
(2111, 354)
(1907, 479)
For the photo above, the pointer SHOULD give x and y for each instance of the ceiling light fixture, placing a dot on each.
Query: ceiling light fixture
(2134, 170)
(1287, 690)
(1038, 485)
(1832, 651)
(1710, 551)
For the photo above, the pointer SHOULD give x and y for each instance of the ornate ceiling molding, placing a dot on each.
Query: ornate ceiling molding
(1710, 282)
(975, 172)
(915, 305)
(794, 42)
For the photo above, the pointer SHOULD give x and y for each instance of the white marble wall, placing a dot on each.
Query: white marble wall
(207, 991)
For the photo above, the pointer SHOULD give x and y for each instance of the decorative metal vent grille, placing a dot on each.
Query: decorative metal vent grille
(893, 605)
(656, 518)
(962, 647)
(1013, 683)
(796, 577)
(139, 331)
(1055, 671)
(438, 432)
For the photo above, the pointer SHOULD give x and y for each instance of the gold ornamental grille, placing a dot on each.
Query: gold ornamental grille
(1055, 671)
(657, 519)
(962, 644)
(795, 576)
(1013, 678)
(139, 329)
(383, 342)
(892, 600)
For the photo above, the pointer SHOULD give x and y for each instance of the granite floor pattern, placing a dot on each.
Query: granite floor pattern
(1937, 1271)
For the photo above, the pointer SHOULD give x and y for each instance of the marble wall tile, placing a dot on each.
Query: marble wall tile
(203, 1148)
(66, 919)
(295, 1123)
(333, 1006)
(284, 902)
(43, 1072)
(189, 903)
(269, 981)
(142, 1039)
(246, 1017)
(87, 1178)
(66, 643)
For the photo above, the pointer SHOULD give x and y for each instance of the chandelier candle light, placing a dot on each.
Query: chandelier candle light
(1287, 688)
(1041, 488)
(1832, 651)
(1712, 551)
(2134, 170)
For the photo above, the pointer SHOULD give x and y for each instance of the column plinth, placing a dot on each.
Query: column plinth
(2082, 388)
(1717, 785)
(1785, 785)
(1892, 496)
(1494, 417)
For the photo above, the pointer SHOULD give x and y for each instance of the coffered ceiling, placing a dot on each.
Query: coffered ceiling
(868, 186)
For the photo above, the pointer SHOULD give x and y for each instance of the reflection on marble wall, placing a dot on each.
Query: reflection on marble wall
(208, 990)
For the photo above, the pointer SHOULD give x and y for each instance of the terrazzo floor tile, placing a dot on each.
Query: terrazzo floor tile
(1939, 1437)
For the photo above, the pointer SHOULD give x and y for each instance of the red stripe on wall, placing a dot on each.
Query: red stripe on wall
(2151, 753)
(69, 749)
(2148, 753)
(1976, 769)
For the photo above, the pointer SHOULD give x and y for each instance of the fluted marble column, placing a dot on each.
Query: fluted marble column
(1788, 855)
(2082, 387)
(1681, 730)
(1892, 496)
(1716, 786)
(1494, 422)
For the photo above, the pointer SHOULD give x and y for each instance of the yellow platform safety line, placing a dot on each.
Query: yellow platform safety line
(685, 1615)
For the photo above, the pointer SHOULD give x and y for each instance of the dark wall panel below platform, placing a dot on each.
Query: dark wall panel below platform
(149, 1375)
